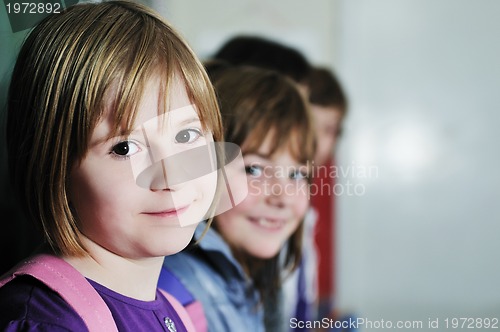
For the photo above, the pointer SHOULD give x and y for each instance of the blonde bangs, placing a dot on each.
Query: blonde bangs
(165, 56)
(297, 139)
(202, 94)
(256, 103)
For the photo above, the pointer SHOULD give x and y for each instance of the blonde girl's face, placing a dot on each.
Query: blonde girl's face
(276, 203)
(130, 194)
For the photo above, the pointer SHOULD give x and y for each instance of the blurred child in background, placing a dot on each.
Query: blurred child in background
(309, 292)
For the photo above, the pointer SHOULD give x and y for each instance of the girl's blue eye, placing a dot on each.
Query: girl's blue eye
(254, 170)
(299, 175)
(187, 136)
(125, 149)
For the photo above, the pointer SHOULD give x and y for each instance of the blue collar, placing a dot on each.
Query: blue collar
(219, 253)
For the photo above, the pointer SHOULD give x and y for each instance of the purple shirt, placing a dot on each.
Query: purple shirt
(26, 304)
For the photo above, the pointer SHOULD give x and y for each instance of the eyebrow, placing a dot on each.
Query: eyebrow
(189, 121)
(258, 154)
(268, 158)
(139, 129)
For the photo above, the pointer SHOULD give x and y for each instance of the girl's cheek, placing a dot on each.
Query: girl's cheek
(253, 196)
(301, 205)
(256, 189)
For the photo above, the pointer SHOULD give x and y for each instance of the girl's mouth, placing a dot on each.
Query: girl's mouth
(268, 223)
(169, 213)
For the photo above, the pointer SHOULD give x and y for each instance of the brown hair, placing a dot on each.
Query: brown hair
(265, 53)
(67, 65)
(325, 90)
(254, 103)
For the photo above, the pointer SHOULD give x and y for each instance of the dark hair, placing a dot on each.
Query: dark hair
(325, 89)
(265, 53)
(216, 67)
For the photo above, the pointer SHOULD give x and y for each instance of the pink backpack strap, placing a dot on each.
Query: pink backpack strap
(71, 285)
(181, 311)
(197, 314)
(169, 282)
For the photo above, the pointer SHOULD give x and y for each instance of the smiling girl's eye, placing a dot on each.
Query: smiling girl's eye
(254, 170)
(125, 149)
(187, 136)
(299, 175)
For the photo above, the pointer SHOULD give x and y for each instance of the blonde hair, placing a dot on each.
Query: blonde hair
(66, 67)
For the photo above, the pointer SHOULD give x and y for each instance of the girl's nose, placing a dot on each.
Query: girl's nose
(166, 174)
(154, 177)
(278, 193)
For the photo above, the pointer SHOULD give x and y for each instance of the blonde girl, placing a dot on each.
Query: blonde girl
(101, 95)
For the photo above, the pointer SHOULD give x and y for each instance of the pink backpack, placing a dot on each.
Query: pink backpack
(72, 286)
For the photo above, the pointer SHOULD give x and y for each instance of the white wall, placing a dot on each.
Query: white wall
(208, 24)
(424, 82)
(423, 78)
